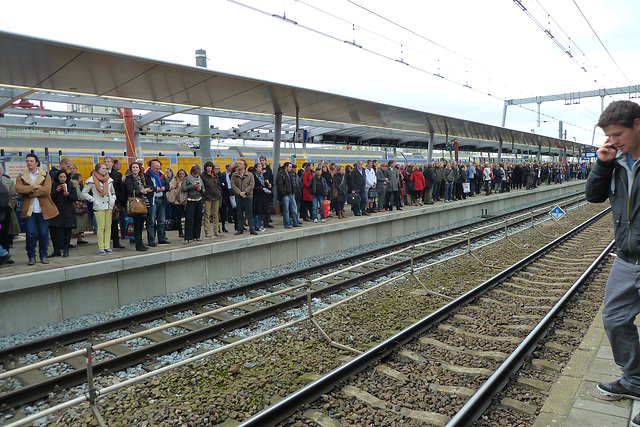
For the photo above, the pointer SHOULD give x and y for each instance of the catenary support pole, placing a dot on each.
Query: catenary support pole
(430, 149)
(203, 121)
(275, 162)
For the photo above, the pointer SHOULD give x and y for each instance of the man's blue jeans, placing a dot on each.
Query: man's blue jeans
(448, 191)
(157, 212)
(289, 211)
(245, 206)
(362, 207)
(37, 232)
(317, 203)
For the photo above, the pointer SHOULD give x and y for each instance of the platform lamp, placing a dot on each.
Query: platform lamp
(177, 154)
(159, 154)
(194, 154)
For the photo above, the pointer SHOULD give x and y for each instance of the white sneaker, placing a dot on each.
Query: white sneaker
(315, 220)
(322, 220)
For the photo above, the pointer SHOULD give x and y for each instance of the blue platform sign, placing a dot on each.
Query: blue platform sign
(557, 213)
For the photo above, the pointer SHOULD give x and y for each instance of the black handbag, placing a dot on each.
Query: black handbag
(353, 199)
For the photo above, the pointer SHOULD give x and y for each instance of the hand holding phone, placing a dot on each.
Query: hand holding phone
(608, 151)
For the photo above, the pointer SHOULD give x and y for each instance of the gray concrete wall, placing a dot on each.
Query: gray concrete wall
(39, 298)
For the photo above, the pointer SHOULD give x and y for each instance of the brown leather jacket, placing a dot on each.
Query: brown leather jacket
(24, 187)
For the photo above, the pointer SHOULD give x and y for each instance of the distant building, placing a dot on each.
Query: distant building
(94, 109)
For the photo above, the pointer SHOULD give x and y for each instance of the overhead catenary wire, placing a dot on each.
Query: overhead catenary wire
(411, 31)
(603, 46)
(565, 49)
(575, 45)
(387, 57)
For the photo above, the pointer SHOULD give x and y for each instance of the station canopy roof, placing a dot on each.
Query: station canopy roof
(41, 69)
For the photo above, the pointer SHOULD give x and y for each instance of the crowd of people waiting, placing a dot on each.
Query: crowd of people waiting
(59, 204)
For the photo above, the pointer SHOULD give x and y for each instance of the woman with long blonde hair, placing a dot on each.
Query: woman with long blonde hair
(99, 190)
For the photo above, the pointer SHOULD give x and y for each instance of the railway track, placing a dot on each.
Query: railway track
(139, 339)
(446, 368)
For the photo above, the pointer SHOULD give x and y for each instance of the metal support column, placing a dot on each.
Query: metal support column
(203, 121)
(539, 155)
(560, 128)
(275, 162)
(134, 151)
(504, 113)
(499, 150)
(430, 149)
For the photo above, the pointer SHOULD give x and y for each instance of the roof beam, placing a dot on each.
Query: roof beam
(574, 97)
(16, 94)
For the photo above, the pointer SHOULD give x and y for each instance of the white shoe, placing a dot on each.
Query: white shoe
(322, 220)
(315, 220)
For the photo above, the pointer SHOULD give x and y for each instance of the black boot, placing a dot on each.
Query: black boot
(65, 248)
(55, 242)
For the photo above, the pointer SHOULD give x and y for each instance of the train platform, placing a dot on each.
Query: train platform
(571, 402)
(87, 282)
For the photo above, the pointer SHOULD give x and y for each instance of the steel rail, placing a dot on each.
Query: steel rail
(287, 406)
(27, 394)
(84, 334)
(481, 399)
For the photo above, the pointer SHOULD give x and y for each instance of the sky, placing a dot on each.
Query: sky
(460, 58)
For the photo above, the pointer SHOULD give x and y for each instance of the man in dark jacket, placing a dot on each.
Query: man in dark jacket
(616, 176)
(267, 173)
(286, 191)
(157, 203)
(227, 208)
(429, 177)
(318, 188)
(297, 188)
(359, 181)
(64, 165)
